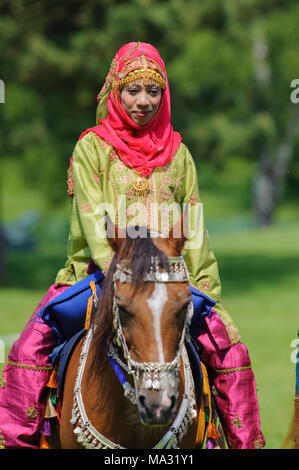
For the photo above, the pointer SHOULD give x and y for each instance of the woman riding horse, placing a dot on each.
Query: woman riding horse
(132, 162)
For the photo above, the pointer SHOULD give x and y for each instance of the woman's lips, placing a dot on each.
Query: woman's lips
(142, 113)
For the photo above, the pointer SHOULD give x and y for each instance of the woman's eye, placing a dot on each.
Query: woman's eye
(132, 91)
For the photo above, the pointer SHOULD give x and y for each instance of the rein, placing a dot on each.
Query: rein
(155, 374)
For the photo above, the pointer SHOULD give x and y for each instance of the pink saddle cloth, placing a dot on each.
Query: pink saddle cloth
(24, 379)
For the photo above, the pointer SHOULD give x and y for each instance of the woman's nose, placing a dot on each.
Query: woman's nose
(142, 99)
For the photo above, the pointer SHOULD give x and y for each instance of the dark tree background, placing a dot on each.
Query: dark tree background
(230, 66)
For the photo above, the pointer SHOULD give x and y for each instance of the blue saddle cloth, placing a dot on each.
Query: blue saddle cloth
(65, 314)
(202, 305)
(62, 354)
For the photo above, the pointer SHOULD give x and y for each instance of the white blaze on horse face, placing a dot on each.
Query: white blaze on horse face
(156, 304)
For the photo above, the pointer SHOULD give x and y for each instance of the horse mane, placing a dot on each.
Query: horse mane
(139, 253)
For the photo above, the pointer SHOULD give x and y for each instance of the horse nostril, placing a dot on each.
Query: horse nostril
(173, 402)
(147, 406)
(142, 401)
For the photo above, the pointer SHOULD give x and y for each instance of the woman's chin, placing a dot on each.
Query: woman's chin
(142, 120)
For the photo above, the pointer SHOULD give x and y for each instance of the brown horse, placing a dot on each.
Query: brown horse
(128, 383)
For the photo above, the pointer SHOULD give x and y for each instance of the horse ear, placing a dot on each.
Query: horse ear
(115, 236)
(177, 234)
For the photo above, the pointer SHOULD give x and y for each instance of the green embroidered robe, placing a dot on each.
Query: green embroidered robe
(102, 182)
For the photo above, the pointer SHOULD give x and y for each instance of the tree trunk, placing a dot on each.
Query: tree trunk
(273, 165)
(264, 191)
(272, 172)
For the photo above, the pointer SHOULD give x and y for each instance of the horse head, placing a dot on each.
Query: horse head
(151, 309)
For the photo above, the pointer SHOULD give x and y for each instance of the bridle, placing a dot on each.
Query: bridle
(155, 374)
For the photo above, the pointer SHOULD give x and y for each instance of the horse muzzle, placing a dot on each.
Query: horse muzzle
(156, 407)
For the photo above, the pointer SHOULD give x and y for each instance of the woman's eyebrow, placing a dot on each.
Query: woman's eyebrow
(134, 85)
(152, 85)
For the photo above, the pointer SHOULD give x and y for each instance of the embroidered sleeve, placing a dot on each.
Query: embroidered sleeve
(90, 199)
(70, 182)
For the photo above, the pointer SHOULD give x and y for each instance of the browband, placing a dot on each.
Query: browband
(177, 271)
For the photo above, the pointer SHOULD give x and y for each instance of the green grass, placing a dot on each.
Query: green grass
(17, 305)
(260, 279)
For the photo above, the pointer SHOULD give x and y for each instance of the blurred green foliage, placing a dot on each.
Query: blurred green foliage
(230, 64)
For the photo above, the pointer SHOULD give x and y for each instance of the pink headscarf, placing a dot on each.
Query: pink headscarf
(141, 147)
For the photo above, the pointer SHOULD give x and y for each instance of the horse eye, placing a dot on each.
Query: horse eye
(124, 315)
(182, 312)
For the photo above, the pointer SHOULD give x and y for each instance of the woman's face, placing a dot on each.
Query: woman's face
(141, 102)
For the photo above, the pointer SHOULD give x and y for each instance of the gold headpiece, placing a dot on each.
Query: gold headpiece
(140, 68)
(147, 75)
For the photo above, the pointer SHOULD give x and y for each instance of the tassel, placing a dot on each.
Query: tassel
(205, 413)
(201, 424)
(89, 305)
(44, 444)
(54, 398)
(46, 427)
(52, 382)
(212, 431)
(211, 444)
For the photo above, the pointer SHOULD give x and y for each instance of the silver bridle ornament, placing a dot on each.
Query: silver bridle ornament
(155, 375)
(177, 271)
